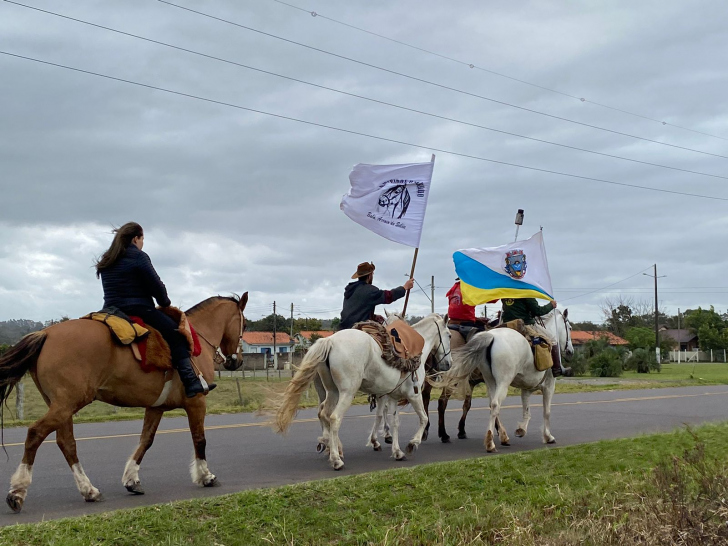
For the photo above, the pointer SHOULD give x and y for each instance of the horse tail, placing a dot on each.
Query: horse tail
(287, 406)
(465, 361)
(18, 360)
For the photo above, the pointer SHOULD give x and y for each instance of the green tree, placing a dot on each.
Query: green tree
(335, 322)
(640, 338)
(307, 324)
(4, 347)
(266, 324)
(710, 327)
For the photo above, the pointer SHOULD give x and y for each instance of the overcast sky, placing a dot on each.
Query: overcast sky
(234, 201)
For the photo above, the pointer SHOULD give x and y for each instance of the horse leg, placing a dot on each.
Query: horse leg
(499, 393)
(461, 424)
(381, 414)
(201, 475)
(426, 391)
(526, 402)
(37, 433)
(397, 453)
(387, 428)
(67, 444)
(547, 388)
(441, 408)
(331, 398)
(130, 479)
(345, 400)
(419, 407)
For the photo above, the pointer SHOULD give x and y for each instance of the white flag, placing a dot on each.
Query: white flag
(390, 200)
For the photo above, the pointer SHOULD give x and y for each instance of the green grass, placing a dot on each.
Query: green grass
(559, 496)
(225, 398)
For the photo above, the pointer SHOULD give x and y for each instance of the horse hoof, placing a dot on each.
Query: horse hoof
(387, 439)
(507, 444)
(211, 483)
(520, 432)
(445, 439)
(95, 498)
(378, 447)
(491, 449)
(320, 448)
(551, 441)
(462, 436)
(135, 488)
(402, 458)
(424, 435)
(411, 448)
(339, 466)
(14, 502)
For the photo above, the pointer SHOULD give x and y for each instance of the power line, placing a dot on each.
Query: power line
(608, 286)
(441, 86)
(359, 133)
(500, 74)
(377, 101)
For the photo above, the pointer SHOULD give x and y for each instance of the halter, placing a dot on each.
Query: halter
(220, 357)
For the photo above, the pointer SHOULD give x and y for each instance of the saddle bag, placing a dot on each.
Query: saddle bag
(542, 355)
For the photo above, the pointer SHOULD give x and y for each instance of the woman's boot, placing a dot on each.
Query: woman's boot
(194, 385)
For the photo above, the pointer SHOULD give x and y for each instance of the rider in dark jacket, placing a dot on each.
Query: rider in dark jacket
(131, 285)
(361, 296)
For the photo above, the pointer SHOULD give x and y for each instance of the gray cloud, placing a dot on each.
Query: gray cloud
(234, 201)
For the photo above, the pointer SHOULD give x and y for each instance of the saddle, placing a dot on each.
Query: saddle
(541, 349)
(400, 343)
(148, 346)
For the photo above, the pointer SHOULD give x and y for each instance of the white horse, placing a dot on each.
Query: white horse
(350, 361)
(504, 358)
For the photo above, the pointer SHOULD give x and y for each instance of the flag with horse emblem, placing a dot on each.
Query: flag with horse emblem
(516, 270)
(390, 200)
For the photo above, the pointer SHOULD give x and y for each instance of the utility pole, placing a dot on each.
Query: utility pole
(679, 336)
(275, 363)
(432, 292)
(657, 327)
(290, 352)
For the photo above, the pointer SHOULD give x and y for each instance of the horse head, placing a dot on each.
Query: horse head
(568, 346)
(224, 316)
(443, 354)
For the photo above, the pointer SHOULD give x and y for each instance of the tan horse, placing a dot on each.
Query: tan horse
(75, 362)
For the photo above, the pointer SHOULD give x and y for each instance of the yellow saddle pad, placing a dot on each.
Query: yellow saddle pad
(122, 330)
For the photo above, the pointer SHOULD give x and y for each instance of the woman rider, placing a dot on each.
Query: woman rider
(130, 282)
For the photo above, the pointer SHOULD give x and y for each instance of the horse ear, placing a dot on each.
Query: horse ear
(243, 302)
(566, 313)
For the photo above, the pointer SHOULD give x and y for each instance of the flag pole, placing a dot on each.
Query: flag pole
(414, 261)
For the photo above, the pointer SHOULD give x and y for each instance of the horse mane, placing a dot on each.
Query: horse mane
(204, 304)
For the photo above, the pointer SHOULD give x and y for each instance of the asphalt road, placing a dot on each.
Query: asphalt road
(245, 454)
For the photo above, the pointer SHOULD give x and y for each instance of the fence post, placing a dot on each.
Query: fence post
(20, 401)
(711, 355)
(240, 396)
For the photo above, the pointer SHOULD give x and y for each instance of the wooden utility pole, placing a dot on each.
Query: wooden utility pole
(290, 351)
(274, 335)
(657, 326)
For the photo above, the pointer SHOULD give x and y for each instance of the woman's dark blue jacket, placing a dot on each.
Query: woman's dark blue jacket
(132, 281)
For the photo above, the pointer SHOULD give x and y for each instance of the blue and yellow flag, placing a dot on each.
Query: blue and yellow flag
(516, 270)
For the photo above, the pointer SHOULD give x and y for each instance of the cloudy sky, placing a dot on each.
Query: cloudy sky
(233, 200)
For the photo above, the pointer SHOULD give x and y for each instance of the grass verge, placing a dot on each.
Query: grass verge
(658, 489)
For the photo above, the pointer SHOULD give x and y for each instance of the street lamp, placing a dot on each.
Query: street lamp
(518, 222)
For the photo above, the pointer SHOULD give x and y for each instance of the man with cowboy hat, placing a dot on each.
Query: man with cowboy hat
(361, 296)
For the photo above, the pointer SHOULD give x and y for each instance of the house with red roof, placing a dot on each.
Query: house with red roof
(304, 338)
(580, 338)
(262, 342)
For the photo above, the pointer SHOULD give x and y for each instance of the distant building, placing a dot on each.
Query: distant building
(303, 338)
(579, 338)
(687, 340)
(262, 342)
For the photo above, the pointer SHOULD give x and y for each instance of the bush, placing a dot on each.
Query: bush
(578, 363)
(642, 361)
(607, 363)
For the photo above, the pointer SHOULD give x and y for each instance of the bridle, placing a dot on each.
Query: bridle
(220, 357)
(442, 343)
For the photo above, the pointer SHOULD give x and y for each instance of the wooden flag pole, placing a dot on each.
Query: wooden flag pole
(412, 274)
(414, 261)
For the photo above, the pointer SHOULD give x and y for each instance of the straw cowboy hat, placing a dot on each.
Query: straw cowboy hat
(363, 269)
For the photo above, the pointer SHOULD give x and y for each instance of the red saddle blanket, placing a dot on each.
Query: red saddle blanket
(154, 349)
